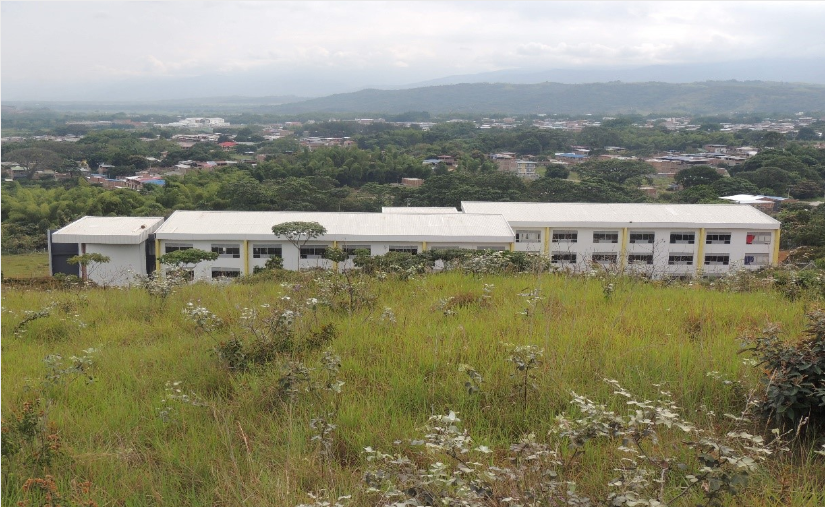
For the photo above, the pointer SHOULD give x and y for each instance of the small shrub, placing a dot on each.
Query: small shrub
(794, 373)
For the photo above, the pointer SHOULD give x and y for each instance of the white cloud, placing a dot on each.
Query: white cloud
(100, 41)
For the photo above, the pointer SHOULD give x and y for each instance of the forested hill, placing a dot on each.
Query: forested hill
(711, 97)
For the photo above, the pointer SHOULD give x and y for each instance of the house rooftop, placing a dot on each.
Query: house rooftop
(111, 230)
(257, 225)
(417, 210)
(636, 215)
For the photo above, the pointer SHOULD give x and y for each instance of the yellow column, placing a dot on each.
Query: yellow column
(623, 249)
(157, 255)
(246, 257)
(547, 241)
(700, 254)
(423, 246)
(775, 260)
(512, 247)
(335, 264)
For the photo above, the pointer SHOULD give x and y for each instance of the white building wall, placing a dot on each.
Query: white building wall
(585, 247)
(125, 262)
(661, 250)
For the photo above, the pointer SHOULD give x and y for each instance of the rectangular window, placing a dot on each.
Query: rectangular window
(758, 238)
(685, 238)
(563, 257)
(605, 237)
(640, 259)
(756, 259)
(404, 249)
(313, 252)
(230, 251)
(174, 247)
(528, 236)
(680, 260)
(605, 258)
(565, 236)
(642, 237)
(226, 272)
(718, 238)
(717, 260)
(350, 250)
(266, 251)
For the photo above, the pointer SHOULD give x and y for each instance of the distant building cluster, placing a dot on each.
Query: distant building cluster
(197, 123)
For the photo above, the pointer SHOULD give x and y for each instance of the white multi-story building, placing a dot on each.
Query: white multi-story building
(656, 239)
(659, 239)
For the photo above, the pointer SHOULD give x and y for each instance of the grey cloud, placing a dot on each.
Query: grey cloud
(384, 42)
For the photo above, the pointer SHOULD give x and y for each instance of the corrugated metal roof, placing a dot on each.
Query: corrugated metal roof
(537, 214)
(257, 225)
(108, 230)
(417, 210)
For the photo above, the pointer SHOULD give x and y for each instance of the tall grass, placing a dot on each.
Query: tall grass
(248, 445)
(32, 265)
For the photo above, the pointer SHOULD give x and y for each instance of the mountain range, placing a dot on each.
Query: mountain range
(711, 97)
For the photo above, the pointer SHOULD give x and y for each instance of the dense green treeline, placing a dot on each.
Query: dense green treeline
(365, 177)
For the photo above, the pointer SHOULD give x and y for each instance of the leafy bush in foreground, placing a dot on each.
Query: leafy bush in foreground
(794, 374)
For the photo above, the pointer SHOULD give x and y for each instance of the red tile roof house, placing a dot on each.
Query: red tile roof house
(228, 145)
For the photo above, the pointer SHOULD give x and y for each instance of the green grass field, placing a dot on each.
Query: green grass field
(246, 437)
(31, 265)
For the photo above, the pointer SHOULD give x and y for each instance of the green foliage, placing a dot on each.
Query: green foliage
(802, 225)
(616, 171)
(794, 374)
(271, 264)
(88, 259)
(772, 179)
(588, 190)
(697, 175)
(557, 171)
(335, 254)
(187, 257)
(699, 194)
(299, 233)
(733, 186)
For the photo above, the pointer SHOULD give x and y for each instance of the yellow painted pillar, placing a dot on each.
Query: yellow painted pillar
(157, 255)
(775, 260)
(547, 241)
(700, 254)
(246, 257)
(423, 246)
(335, 264)
(623, 248)
(512, 247)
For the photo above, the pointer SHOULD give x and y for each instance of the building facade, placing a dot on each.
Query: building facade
(659, 240)
(656, 239)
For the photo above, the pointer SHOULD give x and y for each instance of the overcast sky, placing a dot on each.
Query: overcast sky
(53, 46)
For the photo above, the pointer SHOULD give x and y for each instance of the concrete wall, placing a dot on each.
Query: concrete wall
(126, 261)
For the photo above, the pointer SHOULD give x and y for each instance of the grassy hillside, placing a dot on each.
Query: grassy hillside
(30, 265)
(711, 97)
(156, 416)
